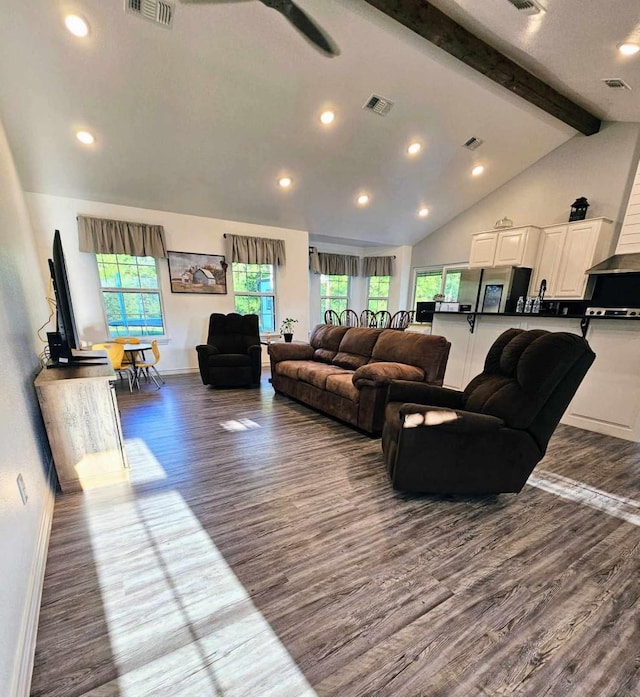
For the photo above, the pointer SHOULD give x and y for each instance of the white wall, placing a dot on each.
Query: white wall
(24, 529)
(186, 315)
(599, 167)
(358, 285)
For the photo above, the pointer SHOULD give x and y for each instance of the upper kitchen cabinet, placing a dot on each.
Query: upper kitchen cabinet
(516, 246)
(566, 252)
(629, 240)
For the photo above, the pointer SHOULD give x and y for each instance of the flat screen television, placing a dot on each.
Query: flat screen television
(64, 343)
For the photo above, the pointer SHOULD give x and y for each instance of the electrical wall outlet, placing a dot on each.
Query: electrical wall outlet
(22, 489)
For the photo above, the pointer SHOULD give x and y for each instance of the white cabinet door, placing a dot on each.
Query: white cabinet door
(577, 255)
(483, 249)
(548, 263)
(510, 247)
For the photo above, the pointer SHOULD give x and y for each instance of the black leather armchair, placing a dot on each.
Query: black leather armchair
(232, 355)
(488, 438)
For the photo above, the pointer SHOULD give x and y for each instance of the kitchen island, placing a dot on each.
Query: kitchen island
(608, 401)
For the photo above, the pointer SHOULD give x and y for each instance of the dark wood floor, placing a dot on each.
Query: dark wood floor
(278, 561)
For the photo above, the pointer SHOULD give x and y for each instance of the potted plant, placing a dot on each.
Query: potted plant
(286, 328)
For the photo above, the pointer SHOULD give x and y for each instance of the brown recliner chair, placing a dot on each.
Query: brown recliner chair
(232, 355)
(488, 438)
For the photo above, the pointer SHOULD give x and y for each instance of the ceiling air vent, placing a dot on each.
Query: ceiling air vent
(156, 11)
(473, 143)
(527, 7)
(378, 105)
(616, 83)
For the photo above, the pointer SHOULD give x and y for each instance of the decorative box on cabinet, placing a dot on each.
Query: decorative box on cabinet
(510, 247)
(566, 251)
(80, 413)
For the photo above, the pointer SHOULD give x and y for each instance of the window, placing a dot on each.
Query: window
(441, 281)
(378, 293)
(254, 289)
(130, 295)
(334, 294)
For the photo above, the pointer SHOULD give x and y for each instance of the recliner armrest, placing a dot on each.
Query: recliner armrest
(290, 352)
(422, 393)
(450, 420)
(207, 350)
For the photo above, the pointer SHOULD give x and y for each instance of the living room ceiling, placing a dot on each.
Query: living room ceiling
(204, 118)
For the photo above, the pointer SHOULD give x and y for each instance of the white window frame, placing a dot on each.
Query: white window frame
(378, 297)
(334, 297)
(129, 289)
(257, 294)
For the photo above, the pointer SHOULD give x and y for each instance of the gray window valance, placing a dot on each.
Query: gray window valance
(333, 264)
(377, 266)
(104, 236)
(256, 250)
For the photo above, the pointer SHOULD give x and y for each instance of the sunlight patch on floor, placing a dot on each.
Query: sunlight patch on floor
(239, 425)
(180, 622)
(143, 464)
(572, 490)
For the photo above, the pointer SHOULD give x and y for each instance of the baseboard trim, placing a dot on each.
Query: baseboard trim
(178, 371)
(21, 684)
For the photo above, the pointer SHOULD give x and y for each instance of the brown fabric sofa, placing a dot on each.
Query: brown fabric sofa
(345, 371)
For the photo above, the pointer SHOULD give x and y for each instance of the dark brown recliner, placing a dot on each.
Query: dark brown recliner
(488, 438)
(232, 355)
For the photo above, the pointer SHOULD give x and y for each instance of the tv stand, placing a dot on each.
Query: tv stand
(80, 413)
(79, 358)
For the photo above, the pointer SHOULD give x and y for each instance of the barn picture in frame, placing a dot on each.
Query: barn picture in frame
(197, 273)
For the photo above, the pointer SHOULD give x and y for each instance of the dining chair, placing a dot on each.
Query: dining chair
(400, 320)
(368, 319)
(349, 318)
(127, 340)
(115, 352)
(146, 366)
(331, 317)
(383, 319)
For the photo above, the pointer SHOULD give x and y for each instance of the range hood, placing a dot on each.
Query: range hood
(618, 263)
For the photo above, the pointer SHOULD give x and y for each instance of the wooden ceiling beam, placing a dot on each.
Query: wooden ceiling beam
(434, 26)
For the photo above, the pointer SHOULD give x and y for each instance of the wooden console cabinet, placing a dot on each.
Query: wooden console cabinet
(81, 416)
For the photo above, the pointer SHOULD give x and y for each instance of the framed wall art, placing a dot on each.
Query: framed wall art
(197, 273)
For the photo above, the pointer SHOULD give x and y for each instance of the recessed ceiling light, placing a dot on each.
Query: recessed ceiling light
(285, 182)
(327, 117)
(414, 148)
(76, 25)
(362, 199)
(628, 48)
(423, 212)
(85, 137)
(477, 170)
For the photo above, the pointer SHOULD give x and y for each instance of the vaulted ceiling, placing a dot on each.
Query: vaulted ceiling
(204, 117)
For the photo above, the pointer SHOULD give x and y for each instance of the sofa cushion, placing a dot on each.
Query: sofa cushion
(316, 374)
(356, 347)
(290, 369)
(360, 341)
(350, 361)
(342, 385)
(323, 355)
(327, 336)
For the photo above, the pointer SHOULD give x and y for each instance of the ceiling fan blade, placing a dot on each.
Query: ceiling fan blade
(304, 24)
